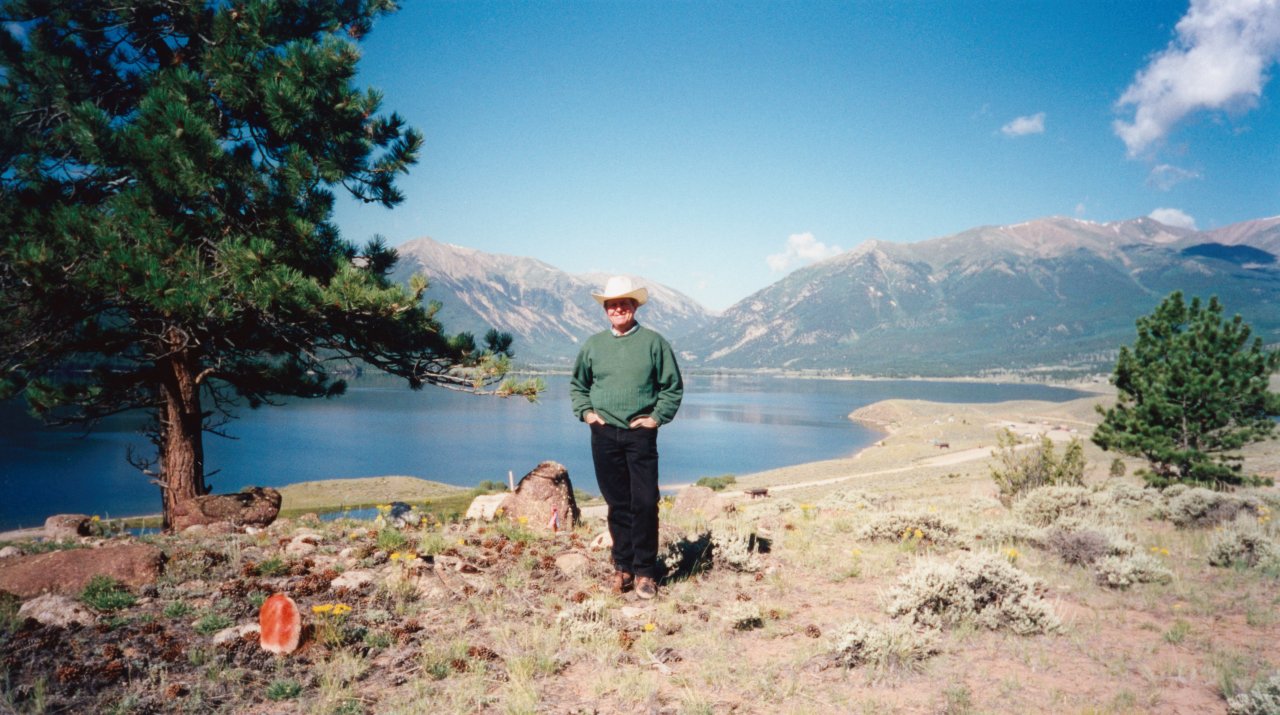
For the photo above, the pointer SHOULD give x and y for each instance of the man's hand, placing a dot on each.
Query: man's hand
(644, 422)
(591, 418)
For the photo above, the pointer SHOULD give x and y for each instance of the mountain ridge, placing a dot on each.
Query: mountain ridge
(1042, 292)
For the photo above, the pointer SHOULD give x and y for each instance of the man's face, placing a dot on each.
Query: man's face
(621, 312)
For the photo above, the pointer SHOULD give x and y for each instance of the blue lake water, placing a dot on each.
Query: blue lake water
(727, 425)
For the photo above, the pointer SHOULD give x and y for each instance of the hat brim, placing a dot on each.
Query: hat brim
(639, 295)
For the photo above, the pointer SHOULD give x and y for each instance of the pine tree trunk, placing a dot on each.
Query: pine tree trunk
(181, 432)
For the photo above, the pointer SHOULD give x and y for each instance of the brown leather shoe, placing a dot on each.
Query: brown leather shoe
(646, 587)
(621, 582)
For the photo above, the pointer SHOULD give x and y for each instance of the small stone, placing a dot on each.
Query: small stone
(353, 580)
(53, 609)
(235, 633)
(302, 544)
(572, 563)
(10, 551)
(603, 540)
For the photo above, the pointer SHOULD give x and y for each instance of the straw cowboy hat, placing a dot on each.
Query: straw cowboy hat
(622, 287)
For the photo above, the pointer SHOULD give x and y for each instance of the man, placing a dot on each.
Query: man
(625, 385)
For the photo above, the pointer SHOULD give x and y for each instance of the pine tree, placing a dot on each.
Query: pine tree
(167, 243)
(1193, 389)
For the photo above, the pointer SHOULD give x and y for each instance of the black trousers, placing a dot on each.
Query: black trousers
(626, 462)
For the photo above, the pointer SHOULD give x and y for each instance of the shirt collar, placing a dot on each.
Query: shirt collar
(616, 334)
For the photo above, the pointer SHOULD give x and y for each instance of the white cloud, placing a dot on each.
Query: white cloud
(1219, 60)
(1173, 217)
(1166, 176)
(1080, 209)
(802, 248)
(1022, 126)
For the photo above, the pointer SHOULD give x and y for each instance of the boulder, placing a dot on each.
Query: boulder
(485, 506)
(252, 506)
(53, 609)
(68, 572)
(543, 500)
(701, 501)
(66, 526)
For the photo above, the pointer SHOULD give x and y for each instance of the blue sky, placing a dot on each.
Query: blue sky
(716, 146)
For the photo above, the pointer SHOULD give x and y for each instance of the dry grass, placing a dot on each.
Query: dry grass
(492, 618)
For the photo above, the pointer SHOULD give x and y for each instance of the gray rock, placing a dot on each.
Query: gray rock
(53, 609)
(353, 580)
(66, 526)
(233, 633)
(573, 563)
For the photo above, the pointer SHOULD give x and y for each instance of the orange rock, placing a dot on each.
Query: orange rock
(281, 624)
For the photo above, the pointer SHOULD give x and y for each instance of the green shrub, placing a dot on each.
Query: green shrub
(1077, 548)
(1117, 468)
(744, 616)
(211, 623)
(587, 620)
(1121, 572)
(1262, 699)
(104, 593)
(283, 690)
(688, 555)
(274, 566)
(980, 588)
(924, 528)
(736, 547)
(1047, 505)
(1198, 507)
(1021, 469)
(889, 646)
(717, 483)
(177, 609)
(390, 539)
(851, 499)
(9, 605)
(1244, 546)
(1008, 532)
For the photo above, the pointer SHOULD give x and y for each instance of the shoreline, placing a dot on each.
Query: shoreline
(911, 430)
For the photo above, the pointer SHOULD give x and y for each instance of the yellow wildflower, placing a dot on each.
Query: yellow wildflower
(341, 609)
(523, 520)
(322, 608)
(649, 627)
(919, 534)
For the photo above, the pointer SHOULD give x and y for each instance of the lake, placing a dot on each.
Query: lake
(727, 425)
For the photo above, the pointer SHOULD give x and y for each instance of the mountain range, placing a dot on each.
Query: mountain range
(1056, 293)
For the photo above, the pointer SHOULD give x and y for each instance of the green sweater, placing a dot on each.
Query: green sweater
(622, 378)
